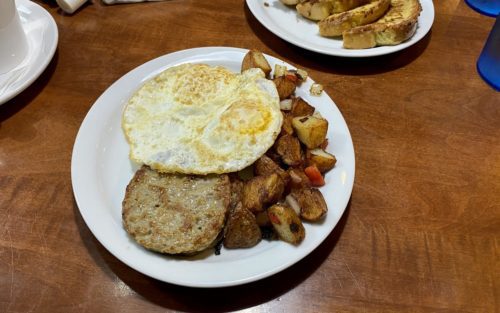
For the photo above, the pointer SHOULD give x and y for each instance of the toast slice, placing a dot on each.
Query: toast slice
(397, 25)
(317, 10)
(336, 24)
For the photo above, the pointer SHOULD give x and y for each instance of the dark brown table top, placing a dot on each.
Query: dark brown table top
(420, 234)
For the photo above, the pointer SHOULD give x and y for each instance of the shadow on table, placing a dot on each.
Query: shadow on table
(332, 64)
(210, 299)
(24, 98)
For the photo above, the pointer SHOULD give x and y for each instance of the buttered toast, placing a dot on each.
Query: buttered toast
(317, 10)
(396, 26)
(336, 24)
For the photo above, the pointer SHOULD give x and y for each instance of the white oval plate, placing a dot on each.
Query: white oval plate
(101, 170)
(287, 24)
(41, 32)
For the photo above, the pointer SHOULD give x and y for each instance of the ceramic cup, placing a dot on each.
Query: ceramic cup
(13, 42)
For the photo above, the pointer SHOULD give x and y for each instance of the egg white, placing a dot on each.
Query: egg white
(199, 119)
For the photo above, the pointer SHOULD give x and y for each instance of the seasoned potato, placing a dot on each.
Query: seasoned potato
(301, 108)
(286, 128)
(316, 89)
(241, 229)
(261, 191)
(255, 59)
(323, 160)
(312, 204)
(311, 130)
(265, 166)
(285, 86)
(298, 179)
(273, 155)
(302, 74)
(286, 223)
(286, 105)
(236, 192)
(279, 70)
(288, 147)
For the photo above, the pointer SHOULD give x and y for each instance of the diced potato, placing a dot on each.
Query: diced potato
(285, 86)
(312, 204)
(255, 59)
(302, 74)
(286, 105)
(273, 155)
(316, 89)
(310, 130)
(241, 229)
(286, 127)
(236, 192)
(265, 166)
(323, 160)
(279, 70)
(286, 223)
(298, 179)
(288, 147)
(301, 108)
(261, 191)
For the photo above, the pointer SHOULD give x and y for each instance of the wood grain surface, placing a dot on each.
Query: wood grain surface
(420, 234)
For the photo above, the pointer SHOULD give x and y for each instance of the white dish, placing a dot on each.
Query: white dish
(287, 24)
(101, 170)
(42, 35)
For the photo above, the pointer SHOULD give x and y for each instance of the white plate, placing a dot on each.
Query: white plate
(287, 24)
(101, 170)
(41, 32)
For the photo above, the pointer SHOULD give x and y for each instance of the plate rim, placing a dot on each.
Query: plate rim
(348, 53)
(39, 68)
(75, 172)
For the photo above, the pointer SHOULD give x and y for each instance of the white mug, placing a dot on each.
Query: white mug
(13, 42)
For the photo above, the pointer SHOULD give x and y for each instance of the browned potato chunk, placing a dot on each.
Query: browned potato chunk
(298, 179)
(323, 160)
(311, 130)
(236, 192)
(286, 128)
(265, 166)
(288, 147)
(241, 229)
(261, 191)
(312, 204)
(286, 223)
(255, 59)
(285, 86)
(301, 108)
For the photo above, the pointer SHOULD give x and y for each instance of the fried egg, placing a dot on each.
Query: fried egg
(201, 119)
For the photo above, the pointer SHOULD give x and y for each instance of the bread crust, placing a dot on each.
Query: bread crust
(336, 24)
(175, 214)
(397, 25)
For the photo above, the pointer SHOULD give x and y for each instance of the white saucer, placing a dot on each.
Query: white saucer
(42, 34)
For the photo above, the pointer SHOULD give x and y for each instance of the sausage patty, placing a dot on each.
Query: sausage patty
(172, 213)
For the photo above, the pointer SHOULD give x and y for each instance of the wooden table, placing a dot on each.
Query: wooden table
(420, 234)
